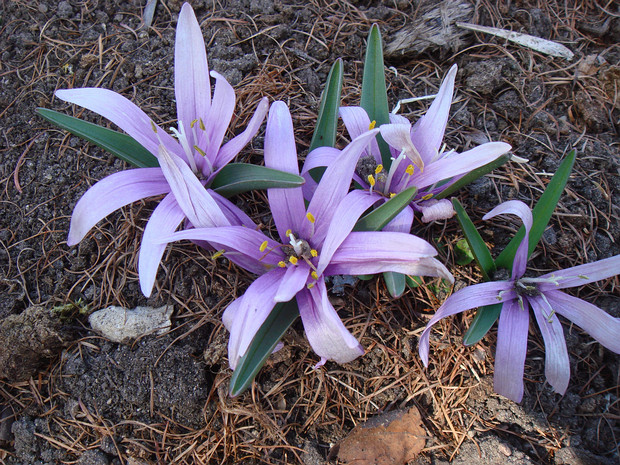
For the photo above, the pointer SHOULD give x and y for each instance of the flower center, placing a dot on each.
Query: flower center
(378, 179)
(190, 154)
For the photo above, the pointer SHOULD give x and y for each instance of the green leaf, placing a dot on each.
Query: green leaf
(279, 320)
(120, 145)
(235, 178)
(395, 283)
(482, 322)
(374, 92)
(380, 216)
(414, 281)
(327, 121)
(463, 252)
(476, 244)
(542, 213)
(472, 176)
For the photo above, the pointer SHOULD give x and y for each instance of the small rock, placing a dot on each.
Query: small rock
(93, 457)
(64, 10)
(122, 325)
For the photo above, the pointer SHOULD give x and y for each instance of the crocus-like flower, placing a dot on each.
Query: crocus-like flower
(314, 242)
(544, 297)
(418, 158)
(187, 163)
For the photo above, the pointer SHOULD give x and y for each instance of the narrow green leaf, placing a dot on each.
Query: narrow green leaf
(374, 92)
(380, 216)
(279, 320)
(477, 246)
(327, 121)
(235, 178)
(472, 176)
(542, 213)
(120, 145)
(482, 322)
(395, 283)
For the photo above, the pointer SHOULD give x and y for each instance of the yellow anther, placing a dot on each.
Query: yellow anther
(314, 275)
(154, 127)
(288, 233)
(378, 169)
(202, 124)
(392, 195)
(293, 260)
(191, 125)
(409, 170)
(371, 180)
(200, 151)
(372, 125)
(310, 217)
(218, 254)
(314, 253)
(263, 246)
(427, 196)
(281, 264)
(310, 285)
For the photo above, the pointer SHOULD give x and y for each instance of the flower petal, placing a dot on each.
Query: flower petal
(254, 308)
(582, 274)
(427, 135)
(511, 350)
(232, 148)
(435, 210)
(320, 157)
(458, 164)
(357, 122)
(112, 193)
(125, 114)
(234, 215)
(236, 240)
(326, 333)
(293, 281)
(557, 366)
(334, 186)
(596, 322)
(401, 222)
(399, 137)
(479, 295)
(219, 117)
(192, 87)
(516, 207)
(348, 212)
(164, 220)
(192, 197)
(287, 205)
(375, 252)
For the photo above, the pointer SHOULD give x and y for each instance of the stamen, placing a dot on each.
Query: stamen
(310, 285)
(293, 260)
(378, 169)
(310, 217)
(314, 253)
(263, 246)
(314, 275)
(200, 151)
(409, 170)
(371, 180)
(393, 167)
(288, 233)
(548, 317)
(202, 125)
(218, 254)
(191, 125)
(180, 135)
(281, 264)
(372, 125)
(154, 127)
(427, 196)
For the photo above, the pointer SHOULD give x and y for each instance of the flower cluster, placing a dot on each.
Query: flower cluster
(317, 224)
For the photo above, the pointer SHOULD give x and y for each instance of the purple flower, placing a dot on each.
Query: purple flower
(544, 297)
(187, 163)
(418, 158)
(314, 242)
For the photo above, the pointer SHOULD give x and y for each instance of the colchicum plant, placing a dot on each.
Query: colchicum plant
(184, 167)
(517, 294)
(314, 242)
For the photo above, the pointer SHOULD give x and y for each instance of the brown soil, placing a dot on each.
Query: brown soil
(163, 399)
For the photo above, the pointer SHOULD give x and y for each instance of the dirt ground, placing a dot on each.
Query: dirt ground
(69, 396)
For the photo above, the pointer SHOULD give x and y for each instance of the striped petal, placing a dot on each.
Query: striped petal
(112, 193)
(582, 274)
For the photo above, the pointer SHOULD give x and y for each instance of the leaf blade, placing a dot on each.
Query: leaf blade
(382, 215)
(236, 178)
(118, 144)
